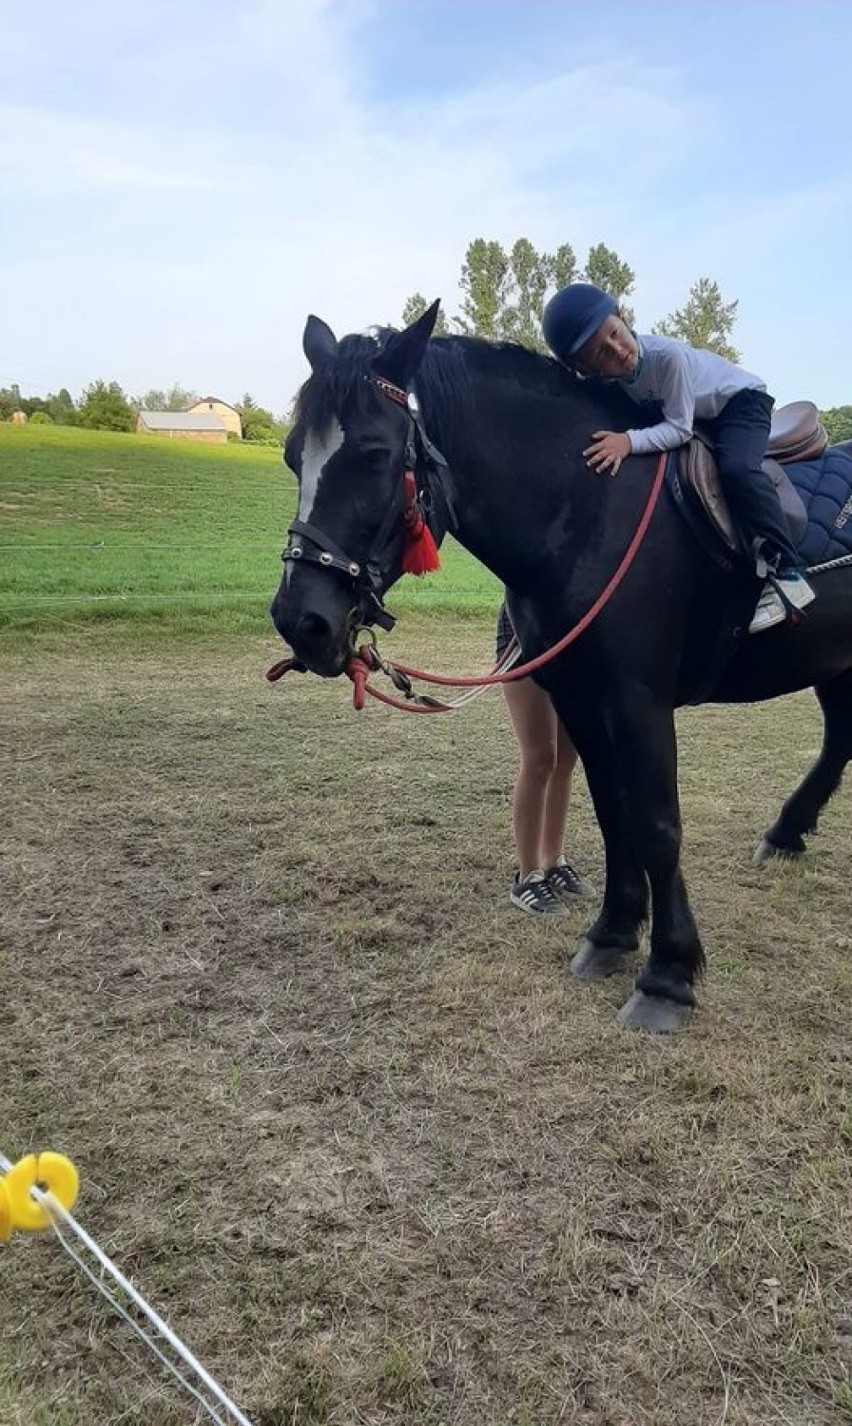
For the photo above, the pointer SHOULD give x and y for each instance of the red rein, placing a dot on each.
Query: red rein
(359, 667)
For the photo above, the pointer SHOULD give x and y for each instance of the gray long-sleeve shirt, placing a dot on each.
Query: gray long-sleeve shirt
(691, 384)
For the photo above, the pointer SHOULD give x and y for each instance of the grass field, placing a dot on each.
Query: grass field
(340, 1112)
(167, 534)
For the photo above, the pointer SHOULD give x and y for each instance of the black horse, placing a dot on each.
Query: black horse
(517, 494)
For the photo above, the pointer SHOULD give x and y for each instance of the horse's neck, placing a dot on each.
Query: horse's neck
(518, 489)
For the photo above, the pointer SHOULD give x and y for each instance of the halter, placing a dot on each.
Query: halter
(315, 547)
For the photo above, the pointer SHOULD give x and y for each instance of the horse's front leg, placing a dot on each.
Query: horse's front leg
(644, 736)
(614, 934)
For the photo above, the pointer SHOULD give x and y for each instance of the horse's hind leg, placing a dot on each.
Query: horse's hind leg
(801, 811)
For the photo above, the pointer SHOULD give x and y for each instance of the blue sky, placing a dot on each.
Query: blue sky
(183, 182)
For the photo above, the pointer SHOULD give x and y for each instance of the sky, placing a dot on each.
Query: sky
(182, 183)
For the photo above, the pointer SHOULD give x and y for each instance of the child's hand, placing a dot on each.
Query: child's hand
(609, 450)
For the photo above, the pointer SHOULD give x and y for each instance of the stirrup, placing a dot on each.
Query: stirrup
(793, 610)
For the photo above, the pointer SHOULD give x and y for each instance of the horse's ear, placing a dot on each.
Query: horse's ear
(404, 351)
(319, 342)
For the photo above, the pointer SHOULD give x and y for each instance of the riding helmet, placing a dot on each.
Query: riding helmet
(573, 315)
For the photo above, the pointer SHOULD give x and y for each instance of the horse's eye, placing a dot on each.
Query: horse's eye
(377, 454)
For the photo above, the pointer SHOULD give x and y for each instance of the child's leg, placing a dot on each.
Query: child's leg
(740, 433)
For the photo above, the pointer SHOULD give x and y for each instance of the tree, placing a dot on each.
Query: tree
(105, 407)
(40, 418)
(838, 423)
(10, 401)
(61, 408)
(705, 320)
(259, 425)
(415, 307)
(563, 267)
(486, 281)
(606, 270)
(175, 399)
(531, 274)
(33, 404)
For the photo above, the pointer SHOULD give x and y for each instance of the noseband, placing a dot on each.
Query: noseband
(313, 546)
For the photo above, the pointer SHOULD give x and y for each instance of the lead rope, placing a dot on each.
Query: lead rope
(367, 659)
(26, 1205)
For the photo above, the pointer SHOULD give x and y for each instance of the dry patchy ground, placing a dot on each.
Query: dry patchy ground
(342, 1113)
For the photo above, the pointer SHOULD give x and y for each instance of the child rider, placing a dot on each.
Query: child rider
(584, 330)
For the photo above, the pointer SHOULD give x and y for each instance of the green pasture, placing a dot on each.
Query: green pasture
(96, 526)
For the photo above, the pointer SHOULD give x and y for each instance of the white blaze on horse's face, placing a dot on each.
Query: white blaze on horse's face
(316, 454)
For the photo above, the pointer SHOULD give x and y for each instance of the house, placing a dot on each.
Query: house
(183, 426)
(229, 414)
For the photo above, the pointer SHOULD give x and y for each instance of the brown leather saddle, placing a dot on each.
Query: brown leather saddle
(797, 434)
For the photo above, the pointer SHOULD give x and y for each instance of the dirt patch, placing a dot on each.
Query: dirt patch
(341, 1112)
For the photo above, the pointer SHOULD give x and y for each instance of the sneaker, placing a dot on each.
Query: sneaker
(535, 894)
(771, 609)
(567, 882)
(794, 588)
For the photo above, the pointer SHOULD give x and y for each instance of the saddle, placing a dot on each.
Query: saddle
(797, 434)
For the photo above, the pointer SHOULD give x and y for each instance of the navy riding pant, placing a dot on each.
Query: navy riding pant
(739, 435)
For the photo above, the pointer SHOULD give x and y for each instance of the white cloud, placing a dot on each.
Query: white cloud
(49, 155)
(205, 250)
(224, 177)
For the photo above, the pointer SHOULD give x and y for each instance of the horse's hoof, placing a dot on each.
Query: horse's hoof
(767, 852)
(654, 1014)
(597, 962)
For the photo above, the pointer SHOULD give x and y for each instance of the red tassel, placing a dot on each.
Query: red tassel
(420, 555)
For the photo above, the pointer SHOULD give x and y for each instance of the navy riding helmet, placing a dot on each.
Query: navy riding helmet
(573, 315)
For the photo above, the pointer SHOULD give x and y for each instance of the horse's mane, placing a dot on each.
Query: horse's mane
(448, 376)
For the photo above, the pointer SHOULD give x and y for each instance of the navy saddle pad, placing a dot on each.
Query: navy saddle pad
(825, 486)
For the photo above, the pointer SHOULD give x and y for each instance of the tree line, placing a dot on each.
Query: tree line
(504, 290)
(104, 406)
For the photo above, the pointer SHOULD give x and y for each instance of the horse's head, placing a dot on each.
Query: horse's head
(349, 449)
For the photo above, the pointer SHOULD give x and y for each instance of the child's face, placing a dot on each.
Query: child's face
(612, 351)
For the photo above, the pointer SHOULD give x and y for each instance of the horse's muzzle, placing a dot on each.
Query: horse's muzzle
(312, 640)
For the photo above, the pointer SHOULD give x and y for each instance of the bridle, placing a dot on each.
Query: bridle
(365, 658)
(368, 583)
(308, 544)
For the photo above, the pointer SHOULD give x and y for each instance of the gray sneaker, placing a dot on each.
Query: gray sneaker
(567, 882)
(535, 894)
